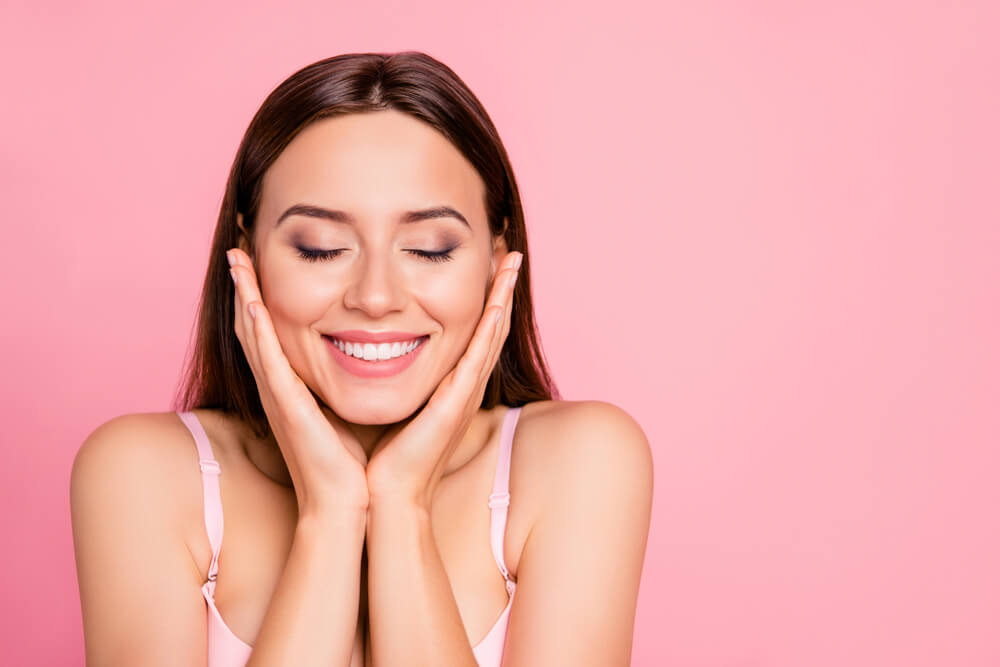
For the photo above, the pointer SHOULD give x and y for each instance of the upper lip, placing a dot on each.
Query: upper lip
(361, 336)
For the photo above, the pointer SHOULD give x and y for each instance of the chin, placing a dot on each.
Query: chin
(377, 408)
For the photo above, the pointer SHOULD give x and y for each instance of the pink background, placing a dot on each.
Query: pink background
(768, 230)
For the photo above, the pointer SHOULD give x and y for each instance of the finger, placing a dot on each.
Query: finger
(283, 384)
(271, 357)
(498, 290)
(449, 401)
(508, 308)
(245, 295)
(275, 378)
(238, 327)
(452, 396)
(274, 364)
(498, 303)
(472, 370)
(250, 292)
(241, 258)
(509, 279)
(506, 319)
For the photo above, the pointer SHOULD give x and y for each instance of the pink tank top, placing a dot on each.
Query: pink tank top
(226, 649)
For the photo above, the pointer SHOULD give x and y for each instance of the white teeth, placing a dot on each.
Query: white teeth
(373, 352)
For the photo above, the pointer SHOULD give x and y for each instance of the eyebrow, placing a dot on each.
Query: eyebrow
(407, 217)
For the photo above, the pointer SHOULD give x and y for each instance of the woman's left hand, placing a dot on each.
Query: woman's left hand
(409, 459)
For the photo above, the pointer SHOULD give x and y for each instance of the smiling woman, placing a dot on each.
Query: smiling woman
(368, 401)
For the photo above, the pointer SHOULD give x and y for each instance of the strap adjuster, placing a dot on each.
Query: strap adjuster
(499, 500)
(208, 465)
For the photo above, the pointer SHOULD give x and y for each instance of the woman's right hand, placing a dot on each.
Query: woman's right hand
(326, 471)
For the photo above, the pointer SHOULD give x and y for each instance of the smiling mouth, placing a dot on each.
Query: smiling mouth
(374, 353)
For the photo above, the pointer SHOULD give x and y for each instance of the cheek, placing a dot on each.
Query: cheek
(294, 297)
(455, 300)
(453, 297)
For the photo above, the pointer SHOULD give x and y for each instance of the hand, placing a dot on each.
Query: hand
(325, 470)
(409, 459)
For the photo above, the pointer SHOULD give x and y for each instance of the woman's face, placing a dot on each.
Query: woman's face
(373, 170)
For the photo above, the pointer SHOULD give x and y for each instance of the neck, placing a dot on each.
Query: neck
(266, 455)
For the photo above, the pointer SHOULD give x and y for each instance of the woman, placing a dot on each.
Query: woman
(369, 404)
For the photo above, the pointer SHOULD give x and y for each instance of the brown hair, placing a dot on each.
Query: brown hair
(217, 374)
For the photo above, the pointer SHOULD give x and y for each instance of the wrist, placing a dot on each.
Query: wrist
(332, 516)
(397, 503)
(337, 503)
(393, 509)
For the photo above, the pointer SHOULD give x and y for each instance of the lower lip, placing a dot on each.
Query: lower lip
(374, 369)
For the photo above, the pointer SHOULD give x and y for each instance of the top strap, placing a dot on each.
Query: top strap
(500, 498)
(210, 472)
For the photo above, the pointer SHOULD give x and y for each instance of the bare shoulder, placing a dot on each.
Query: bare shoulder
(146, 460)
(592, 467)
(135, 449)
(573, 455)
(589, 438)
(132, 496)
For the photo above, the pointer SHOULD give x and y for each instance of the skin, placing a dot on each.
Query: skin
(372, 166)
(370, 274)
(414, 450)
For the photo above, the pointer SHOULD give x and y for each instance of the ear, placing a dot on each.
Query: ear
(500, 250)
(244, 241)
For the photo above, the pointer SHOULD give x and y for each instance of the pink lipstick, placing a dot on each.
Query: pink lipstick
(363, 353)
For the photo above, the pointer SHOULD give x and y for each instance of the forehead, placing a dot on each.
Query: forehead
(372, 165)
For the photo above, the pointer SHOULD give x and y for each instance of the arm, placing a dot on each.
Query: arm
(140, 587)
(313, 616)
(578, 575)
(414, 619)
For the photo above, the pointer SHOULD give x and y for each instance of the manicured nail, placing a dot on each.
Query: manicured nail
(232, 272)
(517, 262)
(253, 315)
(229, 257)
(512, 279)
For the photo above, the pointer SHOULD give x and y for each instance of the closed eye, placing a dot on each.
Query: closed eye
(439, 256)
(311, 255)
(314, 255)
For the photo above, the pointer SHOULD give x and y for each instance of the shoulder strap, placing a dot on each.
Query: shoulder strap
(210, 472)
(500, 498)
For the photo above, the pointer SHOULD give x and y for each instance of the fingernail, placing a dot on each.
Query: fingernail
(253, 315)
(517, 262)
(512, 280)
(232, 272)
(229, 257)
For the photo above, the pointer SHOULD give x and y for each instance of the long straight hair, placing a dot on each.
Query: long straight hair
(217, 374)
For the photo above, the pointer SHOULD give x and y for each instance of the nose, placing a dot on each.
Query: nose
(375, 286)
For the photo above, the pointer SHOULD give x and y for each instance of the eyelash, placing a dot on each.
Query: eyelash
(311, 255)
